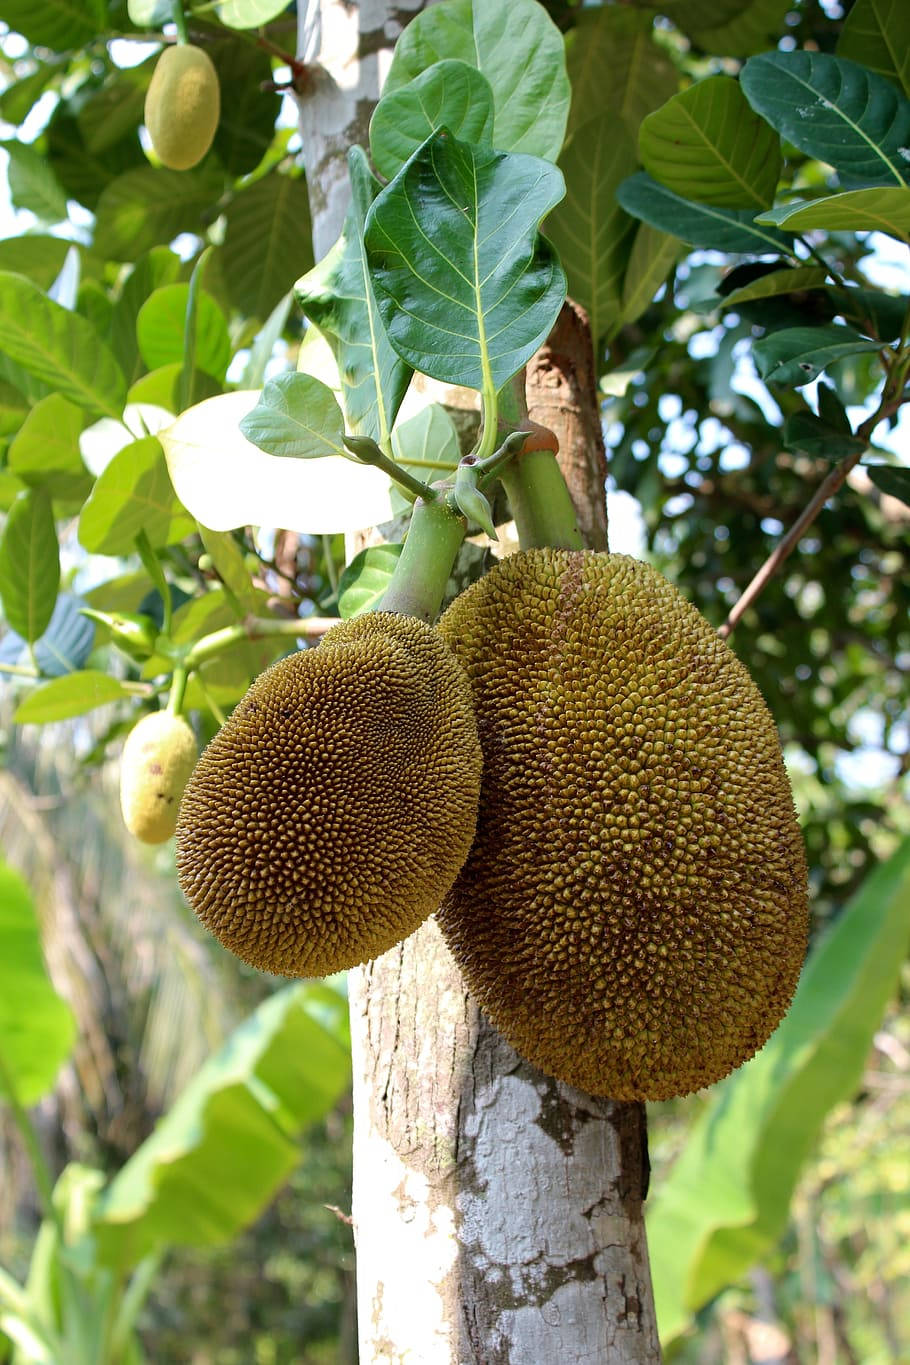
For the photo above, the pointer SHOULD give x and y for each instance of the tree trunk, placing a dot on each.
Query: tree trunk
(497, 1212)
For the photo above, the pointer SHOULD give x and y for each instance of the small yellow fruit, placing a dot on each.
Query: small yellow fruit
(182, 106)
(159, 755)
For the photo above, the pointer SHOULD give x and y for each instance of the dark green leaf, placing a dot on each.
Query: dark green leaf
(36, 1026)
(338, 296)
(45, 452)
(615, 67)
(815, 436)
(364, 581)
(296, 416)
(160, 328)
(885, 209)
(58, 347)
(248, 112)
(797, 355)
(891, 479)
(704, 225)
(707, 144)
(450, 94)
(773, 284)
(133, 494)
(29, 564)
(466, 286)
(71, 695)
(57, 24)
(836, 111)
(734, 29)
(520, 51)
(832, 411)
(33, 184)
(870, 311)
(148, 206)
(267, 242)
(876, 34)
(83, 174)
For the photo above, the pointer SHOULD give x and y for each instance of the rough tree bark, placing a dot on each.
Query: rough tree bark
(497, 1213)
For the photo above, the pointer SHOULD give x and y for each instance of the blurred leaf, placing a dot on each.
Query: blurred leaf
(884, 209)
(772, 284)
(482, 209)
(228, 560)
(71, 695)
(161, 324)
(834, 110)
(876, 33)
(36, 1026)
(449, 94)
(890, 479)
(57, 24)
(64, 646)
(29, 564)
(45, 451)
(704, 225)
(520, 51)
(232, 1138)
(149, 13)
(427, 446)
(133, 494)
(156, 268)
(652, 256)
(879, 315)
(797, 355)
(115, 109)
(267, 242)
(248, 112)
(35, 255)
(84, 175)
(149, 206)
(707, 144)
(364, 581)
(249, 13)
(814, 436)
(58, 347)
(616, 67)
(725, 1202)
(734, 28)
(296, 417)
(17, 99)
(33, 184)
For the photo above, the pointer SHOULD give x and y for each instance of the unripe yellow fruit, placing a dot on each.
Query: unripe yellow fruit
(159, 755)
(182, 106)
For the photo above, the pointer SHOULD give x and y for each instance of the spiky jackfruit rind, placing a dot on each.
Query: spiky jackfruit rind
(633, 914)
(334, 808)
(182, 106)
(158, 757)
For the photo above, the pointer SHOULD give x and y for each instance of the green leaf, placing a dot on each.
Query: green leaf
(148, 206)
(45, 451)
(589, 229)
(364, 581)
(884, 209)
(890, 479)
(516, 46)
(704, 225)
(615, 67)
(466, 286)
(450, 94)
(707, 144)
(835, 111)
(158, 267)
(149, 13)
(33, 184)
(652, 256)
(871, 311)
(734, 29)
(84, 175)
(247, 123)
(797, 355)
(296, 416)
(427, 446)
(231, 1140)
(18, 99)
(162, 388)
(338, 297)
(36, 1026)
(35, 255)
(65, 644)
(59, 347)
(724, 1204)
(814, 436)
(71, 695)
(133, 494)
(113, 111)
(249, 13)
(267, 242)
(29, 564)
(876, 33)
(227, 557)
(160, 328)
(57, 24)
(773, 284)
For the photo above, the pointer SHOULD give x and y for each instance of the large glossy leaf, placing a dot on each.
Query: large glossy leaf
(296, 416)
(449, 94)
(226, 481)
(883, 209)
(134, 493)
(58, 347)
(33, 184)
(45, 450)
(725, 1202)
(589, 229)
(71, 695)
(161, 328)
(64, 646)
(29, 564)
(149, 206)
(267, 242)
(706, 143)
(466, 286)
(615, 66)
(36, 1027)
(704, 225)
(364, 581)
(876, 33)
(231, 1140)
(797, 355)
(338, 296)
(517, 47)
(836, 111)
(57, 24)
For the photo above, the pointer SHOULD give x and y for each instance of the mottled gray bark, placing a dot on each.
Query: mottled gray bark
(497, 1213)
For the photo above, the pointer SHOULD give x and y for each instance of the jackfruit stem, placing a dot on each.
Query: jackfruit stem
(179, 19)
(419, 582)
(540, 502)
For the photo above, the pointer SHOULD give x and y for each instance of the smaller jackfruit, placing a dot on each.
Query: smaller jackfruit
(182, 106)
(158, 757)
(334, 808)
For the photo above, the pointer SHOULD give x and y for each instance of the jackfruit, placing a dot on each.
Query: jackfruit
(159, 754)
(182, 106)
(334, 808)
(633, 914)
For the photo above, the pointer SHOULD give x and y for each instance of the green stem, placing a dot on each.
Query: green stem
(369, 452)
(489, 406)
(210, 646)
(419, 582)
(540, 502)
(178, 689)
(152, 566)
(816, 255)
(40, 1170)
(179, 19)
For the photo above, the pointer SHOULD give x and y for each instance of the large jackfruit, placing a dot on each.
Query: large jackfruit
(633, 912)
(333, 810)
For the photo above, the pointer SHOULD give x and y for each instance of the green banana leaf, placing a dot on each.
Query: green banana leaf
(726, 1200)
